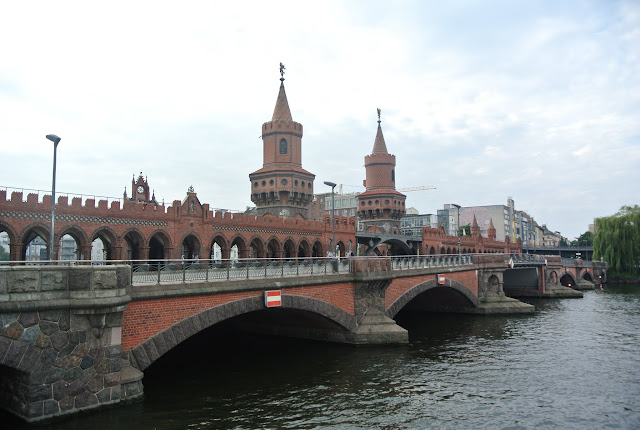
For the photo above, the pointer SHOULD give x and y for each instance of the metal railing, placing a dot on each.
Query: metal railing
(153, 272)
(176, 271)
(526, 258)
(406, 262)
(571, 261)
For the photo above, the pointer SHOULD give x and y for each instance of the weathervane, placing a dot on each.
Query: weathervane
(379, 115)
(282, 72)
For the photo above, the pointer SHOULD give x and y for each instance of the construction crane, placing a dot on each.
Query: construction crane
(422, 188)
(403, 190)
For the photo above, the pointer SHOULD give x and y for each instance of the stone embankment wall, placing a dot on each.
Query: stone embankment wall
(60, 339)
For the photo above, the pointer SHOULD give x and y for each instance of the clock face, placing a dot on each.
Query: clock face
(141, 189)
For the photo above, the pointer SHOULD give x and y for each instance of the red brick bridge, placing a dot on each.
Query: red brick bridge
(79, 337)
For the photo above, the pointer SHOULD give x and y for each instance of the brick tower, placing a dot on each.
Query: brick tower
(475, 228)
(282, 187)
(491, 231)
(380, 207)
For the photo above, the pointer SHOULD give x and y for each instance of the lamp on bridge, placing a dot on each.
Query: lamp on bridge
(458, 230)
(55, 139)
(333, 224)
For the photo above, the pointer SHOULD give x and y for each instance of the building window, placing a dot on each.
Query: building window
(393, 175)
(283, 146)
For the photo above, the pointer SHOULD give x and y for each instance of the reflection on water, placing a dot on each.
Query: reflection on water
(574, 364)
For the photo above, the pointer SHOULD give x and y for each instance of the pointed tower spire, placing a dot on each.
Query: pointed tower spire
(475, 228)
(381, 206)
(491, 231)
(282, 187)
(379, 146)
(282, 111)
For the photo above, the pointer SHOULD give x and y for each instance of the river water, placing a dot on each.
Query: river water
(574, 364)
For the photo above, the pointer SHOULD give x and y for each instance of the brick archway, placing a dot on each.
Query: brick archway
(567, 278)
(32, 231)
(110, 245)
(80, 237)
(274, 248)
(413, 292)
(13, 239)
(222, 242)
(147, 352)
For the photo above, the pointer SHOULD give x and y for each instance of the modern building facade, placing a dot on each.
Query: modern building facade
(345, 205)
(412, 223)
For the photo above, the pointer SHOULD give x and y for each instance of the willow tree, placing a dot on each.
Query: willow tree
(617, 240)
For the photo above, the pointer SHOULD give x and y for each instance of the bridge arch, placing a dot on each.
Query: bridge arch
(586, 275)
(159, 245)
(32, 232)
(241, 245)
(456, 287)
(13, 238)
(289, 248)
(304, 249)
(222, 251)
(190, 245)
(567, 279)
(256, 247)
(80, 238)
(109, 240)
(155, 347)
(317, 250)
(132, 244)
(274, 248)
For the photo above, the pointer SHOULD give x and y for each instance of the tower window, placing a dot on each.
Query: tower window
(283, 146)
(393, 175)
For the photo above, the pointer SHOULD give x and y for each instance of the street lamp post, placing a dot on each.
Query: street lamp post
(333, 225)
(458, 231)
(55, 139)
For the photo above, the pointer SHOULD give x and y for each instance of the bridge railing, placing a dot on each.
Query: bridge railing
(526, 258)
(151, 272)
(405, 262)
(176, 271)
(572, 261)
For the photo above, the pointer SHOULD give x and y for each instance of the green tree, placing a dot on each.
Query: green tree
(464, 230)
(4, 255)
(617, 240)
(586, 238)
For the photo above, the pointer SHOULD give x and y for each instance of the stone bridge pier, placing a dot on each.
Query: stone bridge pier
(60, 340)
(491, 295)
(372, 278)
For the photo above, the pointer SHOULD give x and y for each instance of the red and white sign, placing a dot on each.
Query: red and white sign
(272, 298)
(441, 279)
(511, 263)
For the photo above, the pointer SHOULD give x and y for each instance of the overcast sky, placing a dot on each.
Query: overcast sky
(484, 100)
